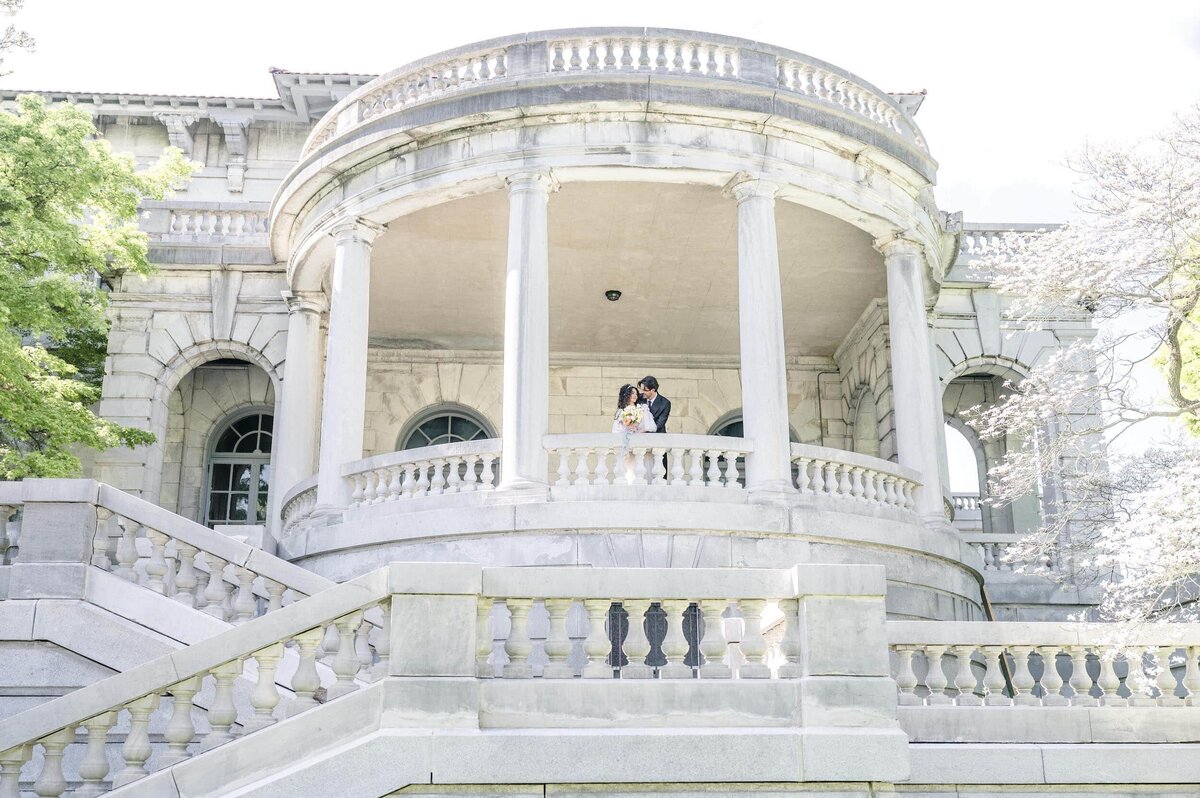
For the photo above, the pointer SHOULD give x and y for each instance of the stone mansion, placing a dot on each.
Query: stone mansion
(385, 543)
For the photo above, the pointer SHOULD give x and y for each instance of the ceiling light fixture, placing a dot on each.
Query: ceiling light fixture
(612, 295)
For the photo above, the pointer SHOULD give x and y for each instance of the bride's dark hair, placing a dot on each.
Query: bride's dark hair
(623, 396)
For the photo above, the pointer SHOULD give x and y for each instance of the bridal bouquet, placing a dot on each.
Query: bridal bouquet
(631, 416)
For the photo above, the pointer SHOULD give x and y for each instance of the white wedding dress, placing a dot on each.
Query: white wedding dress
(647, 425)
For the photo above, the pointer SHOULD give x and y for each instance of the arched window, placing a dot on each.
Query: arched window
(866, 425)
(731, 426)
(239, 467)
(444, 424)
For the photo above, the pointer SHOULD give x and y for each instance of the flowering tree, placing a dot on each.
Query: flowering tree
(1128, 521)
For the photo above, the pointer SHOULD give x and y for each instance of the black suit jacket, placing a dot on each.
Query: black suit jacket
(660, 412)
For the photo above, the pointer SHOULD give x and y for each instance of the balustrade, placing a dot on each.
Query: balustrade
(706, 461)
(216, 224)
(642, 54)
(994, 554)
(832, 473)
(833, 87)
(433, 80)
(1042, 665)
(428, 471)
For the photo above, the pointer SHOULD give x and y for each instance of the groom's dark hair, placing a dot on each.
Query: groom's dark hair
(650, 383)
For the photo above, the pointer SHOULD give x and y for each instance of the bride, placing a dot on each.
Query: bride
(629, 419)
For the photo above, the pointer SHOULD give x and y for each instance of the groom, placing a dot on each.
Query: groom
(659, 406)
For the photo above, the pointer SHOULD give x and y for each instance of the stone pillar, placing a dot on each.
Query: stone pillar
(760, 322)
(917, 412)
(344, 407)
(523, 463)
(298, 417)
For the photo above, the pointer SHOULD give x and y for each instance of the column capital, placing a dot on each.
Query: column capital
(897, 246)
(356, 229)
(542, 182)
(305, 301)
(744, 186)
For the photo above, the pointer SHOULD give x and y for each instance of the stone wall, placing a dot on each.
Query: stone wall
(403, 383)
(864, 365)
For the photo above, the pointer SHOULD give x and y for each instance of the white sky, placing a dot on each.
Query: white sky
(1013, 87)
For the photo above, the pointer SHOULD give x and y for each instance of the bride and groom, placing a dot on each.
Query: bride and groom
(640, 409)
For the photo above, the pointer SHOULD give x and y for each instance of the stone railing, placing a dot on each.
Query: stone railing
(159, 550)
(175, 680)
(1006, 664)
(10, 527)
(429, 471)
(298, 503)
(593, 54)
(693, 461)
(980, 240)
(965, 501)
(836, 474)
(993, 553)
(213, 224)
(635, 624)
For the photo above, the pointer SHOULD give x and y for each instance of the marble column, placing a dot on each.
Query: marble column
(344, 407)
(523, 462)
(298, 414)
(760, 323)
(917, 412)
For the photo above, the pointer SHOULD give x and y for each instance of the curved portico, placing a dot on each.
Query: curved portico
(784, 149)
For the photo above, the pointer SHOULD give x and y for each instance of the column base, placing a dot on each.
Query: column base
(778, 493)
(326, 510)
(520, 491)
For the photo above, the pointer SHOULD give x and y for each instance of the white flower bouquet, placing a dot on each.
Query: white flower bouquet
(631, 416)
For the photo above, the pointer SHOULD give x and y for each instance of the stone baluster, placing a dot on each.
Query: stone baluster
(180, 729)
(643, 469)
(856, 482)
(362, 648)
(51, 782)
(11, 762)
(844, 489)
(637, 644)
(215, 593)
(696, 468)
(564, 468)
(99, 540)
(518, 645)
(1109, 683)
(993, 678)
(358, 494)
(1022, 680)
(597, 645)
(383, 642)
(185, 579)
(831, 485)
(245, 605)
(306, 681)
(1051, 681)
(127, 550)
(1081, 683)
(964, 678)
(714, 646)
(731, 471)
(714, 468)
(581, 466)
(791, 668)
(275, 592)
(753, 646)
(484, 639)
(802, 485)
(454, 479)
(1165, 679)
(658, 472)
(265, 696)
(1191, 675)
(906, 677)
(345, 662)
(136, 749)
(201, 601)
(868, 481)
(603, 472)
(222, 713)
(330, 643)
(675, 644)
(94, 766)
(558, 644)
(936, 679)
(677, 470)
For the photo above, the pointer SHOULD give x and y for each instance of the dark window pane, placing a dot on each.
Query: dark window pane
(264, 477)
(734, 429)
(227, 441)
(216, 507)
(264, 442)
(248, 444)
(463, 429)
(239, 507)
(261, 514)
(220, 478)
(268, 423)
(246, 425)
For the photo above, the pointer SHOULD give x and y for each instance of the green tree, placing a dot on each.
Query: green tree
(68, 219)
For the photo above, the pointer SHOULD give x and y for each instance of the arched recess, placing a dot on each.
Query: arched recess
(448, 422)
(982, 384)
(192, 405)
(237, 468)
(864, 423)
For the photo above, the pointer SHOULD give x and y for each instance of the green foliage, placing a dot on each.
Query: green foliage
(68, 217)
